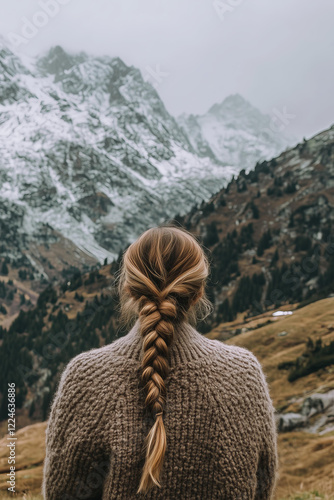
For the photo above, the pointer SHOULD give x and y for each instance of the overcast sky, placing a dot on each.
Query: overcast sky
(278, 54)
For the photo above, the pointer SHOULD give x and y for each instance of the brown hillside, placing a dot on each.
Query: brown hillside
(30, 451)
(315, 320)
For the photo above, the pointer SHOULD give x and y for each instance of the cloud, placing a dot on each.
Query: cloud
(276, 54)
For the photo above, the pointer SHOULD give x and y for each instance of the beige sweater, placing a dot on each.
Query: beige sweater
(219, 420)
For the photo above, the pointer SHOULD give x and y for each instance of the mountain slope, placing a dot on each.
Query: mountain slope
(90, 153)
(90, 157)
(235, 133)
(270, 231)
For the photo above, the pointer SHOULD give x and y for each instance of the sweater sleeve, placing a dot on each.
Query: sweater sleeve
(74, 466)
(267, 469)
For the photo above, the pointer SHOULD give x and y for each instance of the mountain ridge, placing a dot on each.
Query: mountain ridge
(90, 157)
(89, 129)
(235, 132)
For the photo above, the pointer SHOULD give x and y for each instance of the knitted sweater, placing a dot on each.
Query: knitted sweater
(219, 420)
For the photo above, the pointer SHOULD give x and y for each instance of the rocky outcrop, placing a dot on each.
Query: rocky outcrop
(316, 415)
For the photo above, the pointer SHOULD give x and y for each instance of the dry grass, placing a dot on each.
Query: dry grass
(20, 496)
(306, 464)
(315, 320)
(314, 495)
(30, 451)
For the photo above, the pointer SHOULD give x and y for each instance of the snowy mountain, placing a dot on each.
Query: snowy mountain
(90, 157)
(236, 133)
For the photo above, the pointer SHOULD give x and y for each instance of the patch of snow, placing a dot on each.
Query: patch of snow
(282, 313)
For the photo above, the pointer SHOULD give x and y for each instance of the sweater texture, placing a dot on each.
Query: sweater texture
(219, 421)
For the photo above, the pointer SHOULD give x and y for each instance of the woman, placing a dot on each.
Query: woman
(162, 413)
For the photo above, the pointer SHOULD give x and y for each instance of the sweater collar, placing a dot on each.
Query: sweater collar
(188, 344)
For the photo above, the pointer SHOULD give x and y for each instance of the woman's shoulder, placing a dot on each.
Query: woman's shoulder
(234, 356)
(234, 363)
(240, 367)
(226, 355)
(90, 367)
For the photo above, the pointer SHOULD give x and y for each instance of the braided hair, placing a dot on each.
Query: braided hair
(162, 277)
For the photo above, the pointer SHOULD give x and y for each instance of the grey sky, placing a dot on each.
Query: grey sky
(277, 53)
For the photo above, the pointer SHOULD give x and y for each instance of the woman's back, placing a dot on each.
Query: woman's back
(162, 412)
(221, 437)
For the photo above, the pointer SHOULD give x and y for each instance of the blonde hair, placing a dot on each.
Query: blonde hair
(162, 280)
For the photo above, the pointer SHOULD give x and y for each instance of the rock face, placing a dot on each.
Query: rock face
(318, 406)
(90, 154)
(89, 150)
(236, 133)
(291, 421)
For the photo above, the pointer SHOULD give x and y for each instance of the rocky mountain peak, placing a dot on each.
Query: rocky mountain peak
(234, 132)
(57, 61)
(92, 155)
(233, 103)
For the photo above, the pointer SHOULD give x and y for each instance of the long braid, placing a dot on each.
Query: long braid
(157, 330)
(162, 277)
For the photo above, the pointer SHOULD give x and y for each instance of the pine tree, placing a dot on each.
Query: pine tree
(4, 269)
(264, 243)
